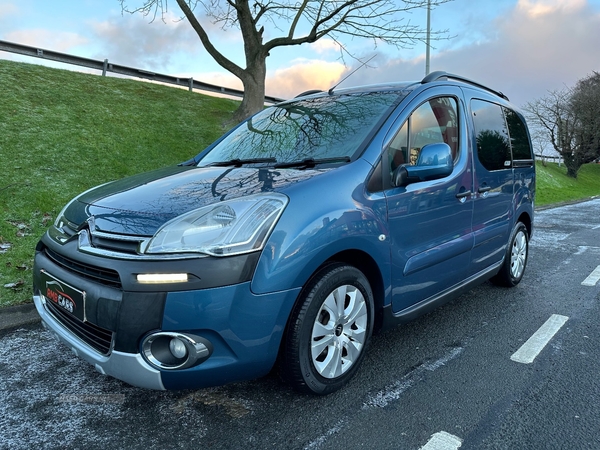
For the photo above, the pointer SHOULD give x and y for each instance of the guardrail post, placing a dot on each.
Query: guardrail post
(191, 84)
(104, 67)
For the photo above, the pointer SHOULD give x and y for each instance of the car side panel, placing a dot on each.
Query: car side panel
(493, 216)
(430, 226)
(497, 196)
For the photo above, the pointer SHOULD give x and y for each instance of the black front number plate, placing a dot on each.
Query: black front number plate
(63, 295)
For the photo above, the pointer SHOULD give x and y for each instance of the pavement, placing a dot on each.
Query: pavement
(19, 316)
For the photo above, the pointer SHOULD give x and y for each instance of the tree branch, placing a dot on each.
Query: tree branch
(210, 48)
(297, 19)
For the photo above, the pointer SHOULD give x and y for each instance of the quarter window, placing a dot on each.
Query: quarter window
(519, 139)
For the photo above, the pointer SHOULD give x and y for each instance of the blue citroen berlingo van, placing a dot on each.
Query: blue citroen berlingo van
(294, 237)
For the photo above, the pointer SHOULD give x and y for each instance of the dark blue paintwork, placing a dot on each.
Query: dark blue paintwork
(244, 328)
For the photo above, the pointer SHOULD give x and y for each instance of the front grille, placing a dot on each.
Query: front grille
(127, 246)
(96, 337)
(107, 277)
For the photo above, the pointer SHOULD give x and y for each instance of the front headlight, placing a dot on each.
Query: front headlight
(231, 227)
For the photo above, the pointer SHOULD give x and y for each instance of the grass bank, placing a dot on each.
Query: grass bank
(554, 187)
(63, 132)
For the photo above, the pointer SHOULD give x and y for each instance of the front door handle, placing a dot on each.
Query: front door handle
(484, 189)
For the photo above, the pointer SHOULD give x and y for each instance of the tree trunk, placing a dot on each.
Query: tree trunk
(572, 172)
(254, 89)
(572, 163)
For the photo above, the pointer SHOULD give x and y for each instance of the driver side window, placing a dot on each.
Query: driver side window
(435, 121)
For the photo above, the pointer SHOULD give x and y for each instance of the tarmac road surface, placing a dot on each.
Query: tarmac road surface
(458, 377)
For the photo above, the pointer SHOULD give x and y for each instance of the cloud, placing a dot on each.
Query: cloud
(535, 47)
(224, 79)
(539, 48)
(541, 8)
(325, 45)
(60, 42)
(132, 41)
(170, 44)
(303, 75)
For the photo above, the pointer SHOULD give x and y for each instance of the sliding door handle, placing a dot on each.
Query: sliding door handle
(463, 195)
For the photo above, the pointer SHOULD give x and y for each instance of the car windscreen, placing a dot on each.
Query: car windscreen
(334, 126)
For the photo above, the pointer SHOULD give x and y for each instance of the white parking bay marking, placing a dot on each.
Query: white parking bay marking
(442, 441)
(393, 392)
(536, 343)
(593, 278)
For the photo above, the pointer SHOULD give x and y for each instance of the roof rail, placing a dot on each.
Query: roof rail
(441, 75)
(310, 92)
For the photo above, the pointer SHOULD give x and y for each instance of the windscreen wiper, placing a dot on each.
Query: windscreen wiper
(312, 162)
(236, 162)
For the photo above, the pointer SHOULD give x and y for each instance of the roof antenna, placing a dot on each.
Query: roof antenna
(330, 91)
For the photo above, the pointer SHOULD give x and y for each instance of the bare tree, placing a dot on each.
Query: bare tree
(570, 119)
(291, 22)
(585, 104)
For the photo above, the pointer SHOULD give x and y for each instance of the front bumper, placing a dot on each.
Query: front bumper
(244, 329)
(128, 367)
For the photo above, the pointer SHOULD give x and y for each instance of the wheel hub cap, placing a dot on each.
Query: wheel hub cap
(339, 331)
(518, 255)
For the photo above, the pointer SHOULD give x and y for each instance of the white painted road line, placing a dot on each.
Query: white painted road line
(593, 278)
(392, 393)
(536, 343)
(442, 441)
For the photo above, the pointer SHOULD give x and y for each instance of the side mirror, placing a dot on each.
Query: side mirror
(434, 162)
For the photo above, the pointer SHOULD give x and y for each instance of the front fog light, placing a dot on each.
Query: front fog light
(177, 348)
(171, 350)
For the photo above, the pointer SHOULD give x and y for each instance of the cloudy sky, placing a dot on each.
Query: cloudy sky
(521, 47)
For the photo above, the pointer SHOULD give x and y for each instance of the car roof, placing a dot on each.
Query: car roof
(436, 76)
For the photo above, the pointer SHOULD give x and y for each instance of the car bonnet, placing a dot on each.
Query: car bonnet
(141, 204)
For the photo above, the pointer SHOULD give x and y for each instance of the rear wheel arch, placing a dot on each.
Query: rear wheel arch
(515, 260)
(526, 220)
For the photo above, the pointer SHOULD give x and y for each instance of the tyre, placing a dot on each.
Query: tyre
(328, 331)
(515, 259)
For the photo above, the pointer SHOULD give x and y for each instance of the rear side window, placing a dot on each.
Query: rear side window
(493, 141)
(502, 138)
(519, 139)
